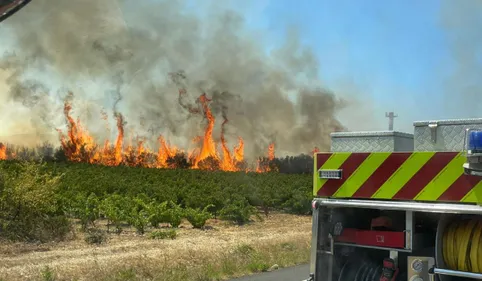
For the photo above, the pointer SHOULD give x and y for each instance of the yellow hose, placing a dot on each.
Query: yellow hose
(462, 245)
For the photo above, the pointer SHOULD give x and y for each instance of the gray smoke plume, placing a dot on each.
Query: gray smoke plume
(121, 55)
(461, 21)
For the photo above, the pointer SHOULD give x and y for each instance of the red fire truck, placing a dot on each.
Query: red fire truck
(398, 206)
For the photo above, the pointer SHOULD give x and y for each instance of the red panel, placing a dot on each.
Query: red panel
(321, 158)
(388, 239)
(348, 236)
(348, 167)
(459, 188)
(425, 175)
(381, 175)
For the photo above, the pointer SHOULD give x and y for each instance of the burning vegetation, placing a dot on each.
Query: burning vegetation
(191, 90)
(3, 151)
(79, 146)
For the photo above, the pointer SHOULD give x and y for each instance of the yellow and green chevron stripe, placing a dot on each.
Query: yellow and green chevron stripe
(424, 176)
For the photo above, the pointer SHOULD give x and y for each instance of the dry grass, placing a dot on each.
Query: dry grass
(218, 253)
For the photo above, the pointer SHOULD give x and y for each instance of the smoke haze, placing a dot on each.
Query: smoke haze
(461, 21)
(127, 52)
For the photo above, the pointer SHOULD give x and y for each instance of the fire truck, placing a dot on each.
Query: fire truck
(393, 206)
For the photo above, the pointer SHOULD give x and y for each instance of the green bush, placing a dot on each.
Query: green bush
(86, 209)
(163, 234)
(299, 202)
(197, 217)
(115, 208)
(238, 211)
(29, 205)
(139, 214)
(158, 213)
(174, 214)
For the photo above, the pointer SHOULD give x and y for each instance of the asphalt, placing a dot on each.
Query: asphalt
(297, 273)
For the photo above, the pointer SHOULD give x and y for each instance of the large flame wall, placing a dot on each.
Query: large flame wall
(79, 146)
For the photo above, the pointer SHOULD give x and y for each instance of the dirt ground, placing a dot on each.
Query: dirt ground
(75, 259)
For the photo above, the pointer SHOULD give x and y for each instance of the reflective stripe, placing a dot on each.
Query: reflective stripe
(440, 183)
(364, 171)
(475, 195)
(427, 176)
(402, 175)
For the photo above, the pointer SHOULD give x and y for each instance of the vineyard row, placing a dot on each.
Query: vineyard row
(140, 197)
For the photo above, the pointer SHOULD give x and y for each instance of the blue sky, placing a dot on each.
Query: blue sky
(395, 53)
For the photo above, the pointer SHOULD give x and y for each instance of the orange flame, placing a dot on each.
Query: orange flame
(271, 152)
(120, 138)
(3, 151)
(263, 164)
(315, 150)
(79, 146)
(209, 147)
(165, 152)
(230, 163)
(239, 150)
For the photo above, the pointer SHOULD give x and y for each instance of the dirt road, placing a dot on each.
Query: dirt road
(296, 273)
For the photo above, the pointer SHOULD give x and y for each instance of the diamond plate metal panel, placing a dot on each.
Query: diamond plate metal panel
(445, 135)
(371, 142)
(404, 144)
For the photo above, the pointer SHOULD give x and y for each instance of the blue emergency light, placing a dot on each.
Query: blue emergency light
(474, 143)
(473, 147)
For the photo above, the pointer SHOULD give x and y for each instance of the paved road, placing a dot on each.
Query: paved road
(296, 273)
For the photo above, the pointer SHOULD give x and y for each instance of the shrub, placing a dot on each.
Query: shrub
(174, 214)
(86, 209)
(300, 201)
(29, 208)
(114, 207)
(95, 236)
(165, 212)
(158, 213)
(139, 215)
(197, 217)
(238, 211)
(163, 234)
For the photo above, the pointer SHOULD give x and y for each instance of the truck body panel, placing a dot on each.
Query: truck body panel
(418, 176)
(381, 141)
